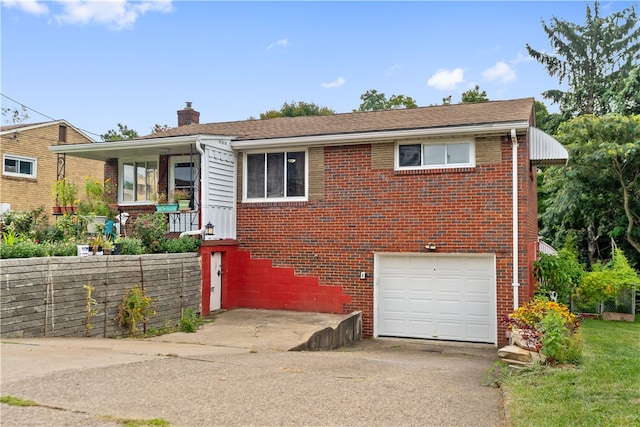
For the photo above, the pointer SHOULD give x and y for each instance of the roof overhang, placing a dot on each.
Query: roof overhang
(367, 137)
(185, 144)
(544, 150)
(135, 148)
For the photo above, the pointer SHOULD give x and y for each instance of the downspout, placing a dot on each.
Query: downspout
(202, 181)
(514, 165)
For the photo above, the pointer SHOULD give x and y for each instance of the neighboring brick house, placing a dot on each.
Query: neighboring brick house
(29, 168)
(406, 215)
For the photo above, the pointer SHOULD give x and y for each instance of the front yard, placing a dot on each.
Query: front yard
(604, 390)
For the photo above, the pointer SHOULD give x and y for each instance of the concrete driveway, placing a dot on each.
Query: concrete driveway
(209, 379)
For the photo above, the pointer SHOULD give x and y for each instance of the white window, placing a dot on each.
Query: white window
(436, 155)
(275, 176)
(24, 167)
(138, 180)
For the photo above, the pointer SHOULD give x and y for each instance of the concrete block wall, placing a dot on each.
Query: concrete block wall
(45, 297)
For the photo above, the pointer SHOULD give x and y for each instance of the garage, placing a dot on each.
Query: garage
(436, 296)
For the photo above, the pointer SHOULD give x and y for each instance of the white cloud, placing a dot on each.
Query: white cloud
(501, 72)
(446, 79)
(521, 58)
(116, 14)
(29, 6)
(393, 70)
(279, 43)
(340, 81)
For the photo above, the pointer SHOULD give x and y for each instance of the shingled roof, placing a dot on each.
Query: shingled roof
(385, 120)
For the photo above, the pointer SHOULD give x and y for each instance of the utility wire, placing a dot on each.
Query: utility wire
(44, 115)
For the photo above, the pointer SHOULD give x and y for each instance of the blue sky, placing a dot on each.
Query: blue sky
(99, 63)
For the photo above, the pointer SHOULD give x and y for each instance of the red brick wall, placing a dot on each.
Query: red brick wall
(369, 210)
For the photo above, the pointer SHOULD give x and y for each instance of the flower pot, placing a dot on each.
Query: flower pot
(57, 210)
(117, 249)
(83, 250)
(107, 251)
(183, 205)
(166, 208)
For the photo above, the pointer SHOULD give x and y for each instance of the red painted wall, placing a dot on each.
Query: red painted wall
(365, 211)
(255, 283)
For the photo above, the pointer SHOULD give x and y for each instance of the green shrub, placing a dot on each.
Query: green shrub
(190, 321)
(131, 246)
(559, 343)
(152, 230)
(22, 249)
(180, 245)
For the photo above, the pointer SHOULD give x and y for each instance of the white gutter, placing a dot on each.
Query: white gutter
(203, 163)
(514, 165)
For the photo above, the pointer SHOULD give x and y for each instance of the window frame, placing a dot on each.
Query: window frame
(470, 164)
(265, 199)
(18, 158)
(121, 163)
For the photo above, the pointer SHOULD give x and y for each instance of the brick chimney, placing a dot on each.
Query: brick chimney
(188, 116)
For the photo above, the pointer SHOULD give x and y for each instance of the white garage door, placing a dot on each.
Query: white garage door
(444, 297)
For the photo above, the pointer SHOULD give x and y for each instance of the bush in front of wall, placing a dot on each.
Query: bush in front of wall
(180, 245)
(151, 229)
(190, 321)
(131, 246)
(136, 308)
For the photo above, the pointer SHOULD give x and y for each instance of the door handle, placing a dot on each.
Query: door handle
(219, 273)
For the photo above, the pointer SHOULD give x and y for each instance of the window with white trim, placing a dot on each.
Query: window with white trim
(436, 155)
(273, 176)
(19, 166)
(138, 180)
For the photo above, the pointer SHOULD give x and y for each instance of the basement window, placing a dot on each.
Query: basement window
(448, 154)
(19, 166)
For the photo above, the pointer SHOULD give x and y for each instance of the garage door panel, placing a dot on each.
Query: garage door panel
(420, 307)
(450, 297)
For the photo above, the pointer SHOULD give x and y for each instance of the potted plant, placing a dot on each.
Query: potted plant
(163, 205)
(183, 199)
(95, 205)
(107, 247)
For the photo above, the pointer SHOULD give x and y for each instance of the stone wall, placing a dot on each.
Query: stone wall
(46, 297)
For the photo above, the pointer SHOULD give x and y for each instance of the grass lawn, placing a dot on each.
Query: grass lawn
(604, 390)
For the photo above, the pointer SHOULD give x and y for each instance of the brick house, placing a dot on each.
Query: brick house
(405, 215)
(29, 168)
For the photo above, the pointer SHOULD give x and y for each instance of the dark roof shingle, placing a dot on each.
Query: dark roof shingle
(382, 120)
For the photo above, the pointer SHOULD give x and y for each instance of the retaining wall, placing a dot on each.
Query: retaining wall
(45, 297)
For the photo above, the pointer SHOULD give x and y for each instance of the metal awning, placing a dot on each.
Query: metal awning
(127, 148)
(545, 150)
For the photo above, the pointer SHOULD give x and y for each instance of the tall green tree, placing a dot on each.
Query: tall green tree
(297, 109)
(123, 133)
(373, 100)
(474, 95)
(594, 59)
(598, 193)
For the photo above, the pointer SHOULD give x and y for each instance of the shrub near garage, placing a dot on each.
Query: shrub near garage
(548, 327)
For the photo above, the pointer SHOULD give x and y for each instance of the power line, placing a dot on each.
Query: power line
(42, 114)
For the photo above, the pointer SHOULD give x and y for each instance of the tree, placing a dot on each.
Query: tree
(18, 116)
(123, 133)
(372, 101)
(546, 121)
(598, 193)
(157, 128)
(474, 95)
(297, 109)
(594, 59)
